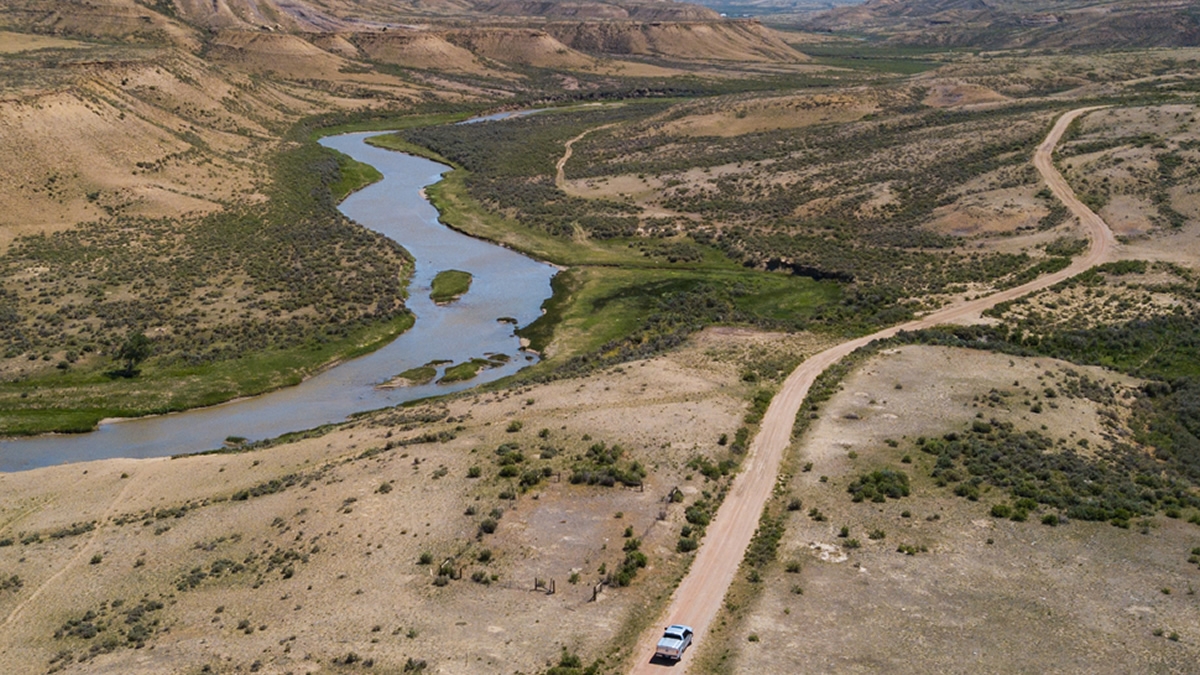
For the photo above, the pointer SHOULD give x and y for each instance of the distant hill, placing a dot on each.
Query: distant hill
(131, 18)
(317, 36)
(1020, 23)
(746, 41)
(348, 14)
(645, 10)
(774, 9)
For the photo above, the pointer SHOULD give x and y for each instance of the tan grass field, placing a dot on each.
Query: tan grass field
(358, 586)
(776, 113)
(994, 594)
(12, 43)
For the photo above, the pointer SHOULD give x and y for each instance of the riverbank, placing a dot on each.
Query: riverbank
(221, 321)
(506, 285)
(93, 398)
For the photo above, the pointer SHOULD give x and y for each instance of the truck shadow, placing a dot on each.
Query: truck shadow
(663, 661)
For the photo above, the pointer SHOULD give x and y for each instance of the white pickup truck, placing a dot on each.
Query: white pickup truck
(675, 639)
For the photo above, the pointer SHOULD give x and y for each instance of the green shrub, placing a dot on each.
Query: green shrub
(697, 514)
(877, 486)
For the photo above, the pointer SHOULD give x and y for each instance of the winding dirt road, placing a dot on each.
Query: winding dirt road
(699, 596)
(560, 174)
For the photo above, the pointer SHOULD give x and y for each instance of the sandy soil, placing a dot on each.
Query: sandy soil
(989, 212)
(1128, 176)
(355, 585)
(961, 95)
(994, 594)
(13, 43)
(790, 112)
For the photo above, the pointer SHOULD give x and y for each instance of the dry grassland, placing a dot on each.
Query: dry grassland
(961, 95)
(982, 594)
(789, 112)
(329, 561)
(11, 43)
(160, 135)
(1120, 298)
(1139, 165)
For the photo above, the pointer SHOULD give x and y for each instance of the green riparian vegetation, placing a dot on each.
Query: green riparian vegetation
(450, 285)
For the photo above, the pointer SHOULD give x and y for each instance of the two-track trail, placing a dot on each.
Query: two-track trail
(89, 546)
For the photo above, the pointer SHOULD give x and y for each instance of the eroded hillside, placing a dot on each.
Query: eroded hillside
(1019, 23)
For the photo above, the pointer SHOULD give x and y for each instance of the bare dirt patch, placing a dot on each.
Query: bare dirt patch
(791, 112)
(325, 561)
(956, 95)
(1004, 595)
(992, 211)
(13, 43)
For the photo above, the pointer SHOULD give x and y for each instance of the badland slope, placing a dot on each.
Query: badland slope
(1020, 23)
(726, 40)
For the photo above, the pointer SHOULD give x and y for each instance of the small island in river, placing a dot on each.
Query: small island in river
(450, 285)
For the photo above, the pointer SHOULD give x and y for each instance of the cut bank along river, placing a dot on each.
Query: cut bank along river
(505, 284)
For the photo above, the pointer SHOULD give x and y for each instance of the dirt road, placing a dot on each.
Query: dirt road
(560, 174)
(699, 596)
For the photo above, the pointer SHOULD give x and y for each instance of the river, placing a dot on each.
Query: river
(505, 284)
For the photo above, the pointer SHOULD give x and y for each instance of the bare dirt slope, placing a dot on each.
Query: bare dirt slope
(116, 139)
(416, 49)
(712, 40)
(699, 596)
(342, 14)
(1019, 23)
(126, 19)
(524, 46)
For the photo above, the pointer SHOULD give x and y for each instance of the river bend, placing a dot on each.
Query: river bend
(506, 284)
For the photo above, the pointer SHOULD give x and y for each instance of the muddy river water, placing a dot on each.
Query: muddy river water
(506, 284)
